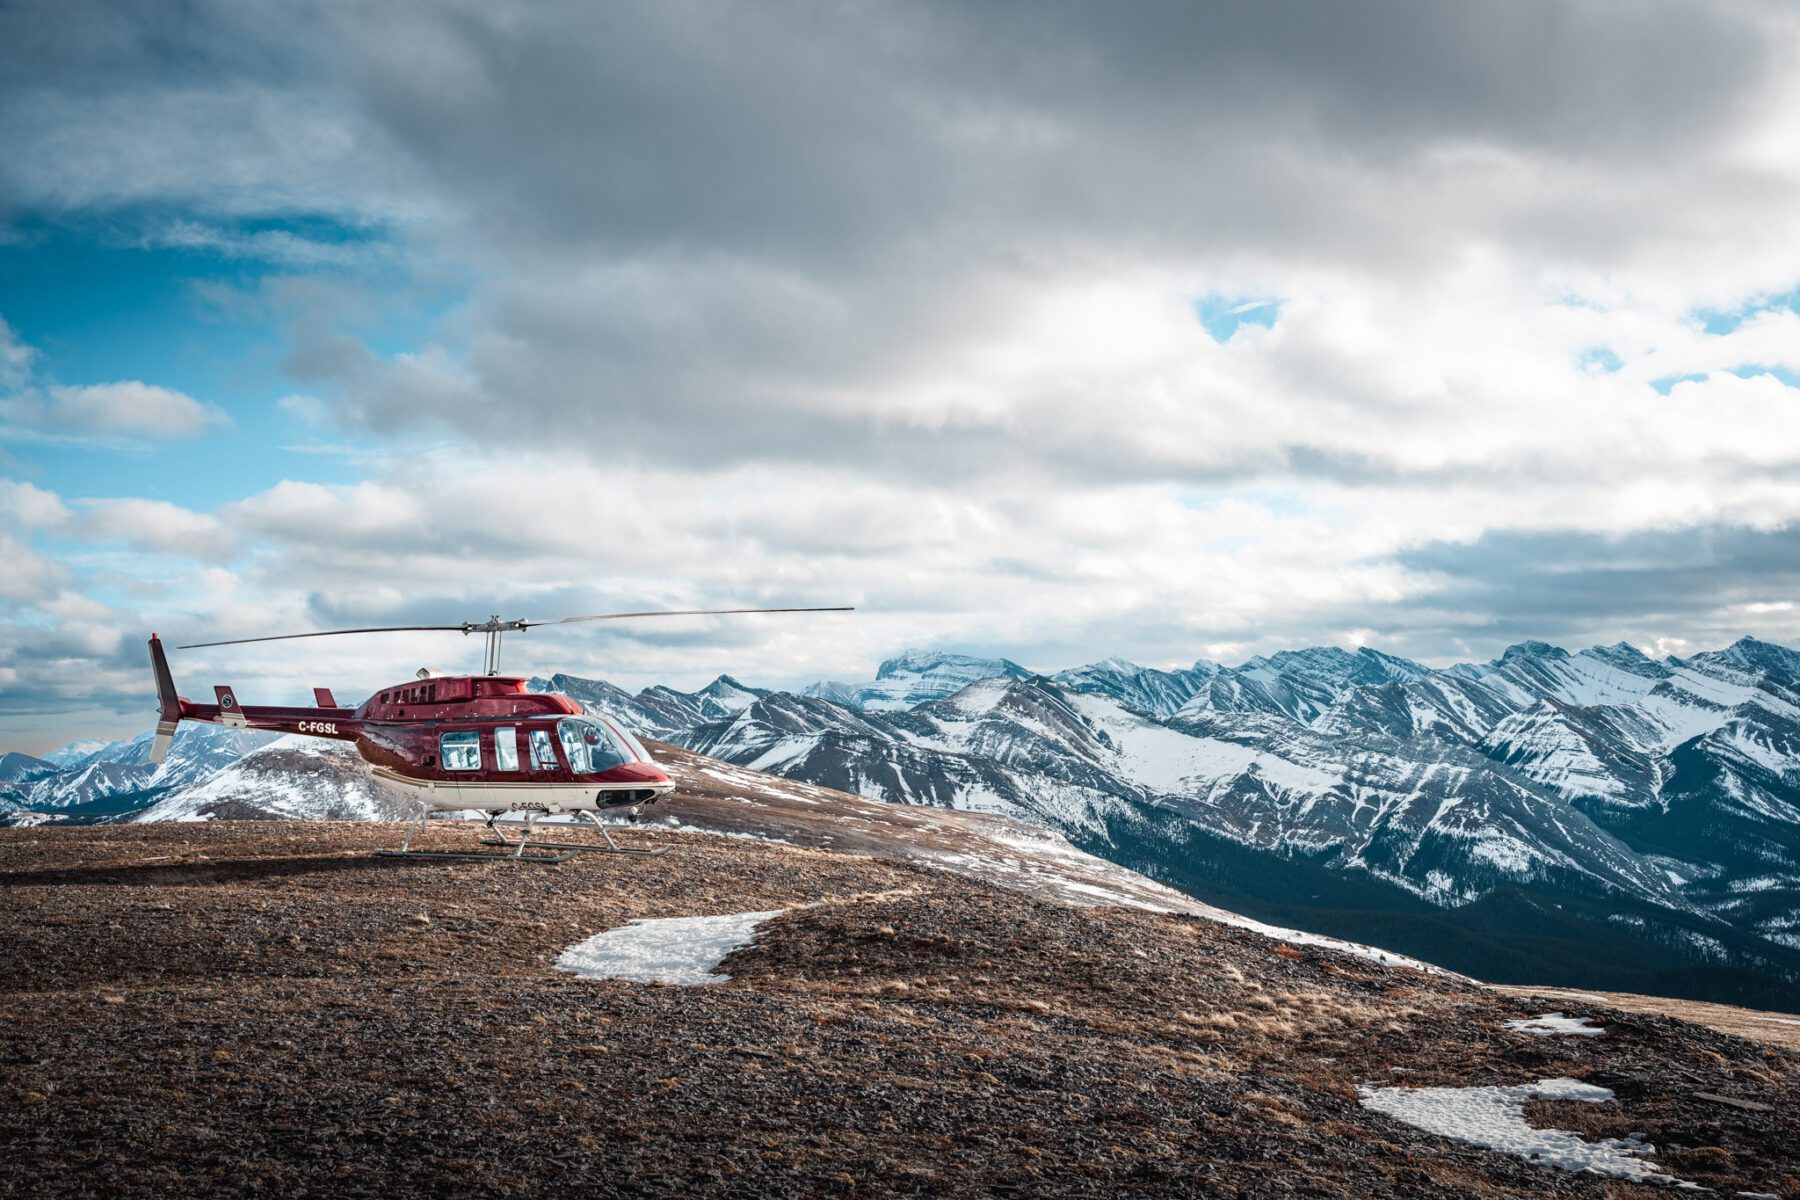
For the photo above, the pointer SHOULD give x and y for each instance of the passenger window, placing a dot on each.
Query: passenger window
(461, 751)
(543, 754)
(506, 749)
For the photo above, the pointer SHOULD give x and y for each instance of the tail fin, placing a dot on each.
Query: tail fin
(168, 702)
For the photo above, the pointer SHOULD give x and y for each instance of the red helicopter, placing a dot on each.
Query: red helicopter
(461, 742)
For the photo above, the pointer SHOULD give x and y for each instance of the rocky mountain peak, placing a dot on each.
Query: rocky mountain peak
(1531, 650)
(937, 662)
(1753, 654)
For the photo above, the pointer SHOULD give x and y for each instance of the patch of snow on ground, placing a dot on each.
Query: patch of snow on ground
(24, 820)
(1573, 995)
(1494, 1118)
(679, 950)
(1554, 1024)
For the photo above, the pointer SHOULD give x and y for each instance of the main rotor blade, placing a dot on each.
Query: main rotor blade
(283, 637)
(680, 612)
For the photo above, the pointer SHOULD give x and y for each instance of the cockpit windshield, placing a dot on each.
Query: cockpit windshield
(591, 746)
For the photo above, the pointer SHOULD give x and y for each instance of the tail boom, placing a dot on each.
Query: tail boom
(325, 722)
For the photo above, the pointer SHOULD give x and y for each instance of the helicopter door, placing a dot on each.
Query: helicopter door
(574, 743)
(506, 749)
(543, 753)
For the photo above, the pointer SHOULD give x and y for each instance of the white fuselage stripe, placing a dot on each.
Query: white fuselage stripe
(454, 794)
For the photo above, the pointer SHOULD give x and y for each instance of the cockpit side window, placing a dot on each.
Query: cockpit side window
(591, 746)
(638, 752)
(610, 751)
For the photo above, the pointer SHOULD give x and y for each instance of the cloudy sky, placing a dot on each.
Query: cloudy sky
(1052, 330)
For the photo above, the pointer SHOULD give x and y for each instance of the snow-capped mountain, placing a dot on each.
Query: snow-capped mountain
(118, 775)
(1635, 815)
(914, 678)
(1144, 689)
(15, 767)
(1597, 817)
(1449, 829)
(77, 752)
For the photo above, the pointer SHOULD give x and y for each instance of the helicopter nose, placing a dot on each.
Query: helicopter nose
(638, 772)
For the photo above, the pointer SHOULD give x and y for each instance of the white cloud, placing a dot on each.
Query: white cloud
(155, 525)
(267, 245)
(15, 357)
(129, 407)
(31, 506)
(29, 577)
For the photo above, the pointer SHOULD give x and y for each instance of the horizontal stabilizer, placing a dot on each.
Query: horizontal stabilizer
(323, 698)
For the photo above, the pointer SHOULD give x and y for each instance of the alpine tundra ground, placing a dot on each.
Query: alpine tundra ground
(244, 1007)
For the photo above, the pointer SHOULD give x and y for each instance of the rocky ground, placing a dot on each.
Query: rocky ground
(264, 1007)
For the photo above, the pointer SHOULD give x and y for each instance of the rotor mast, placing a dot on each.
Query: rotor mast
(495, 630)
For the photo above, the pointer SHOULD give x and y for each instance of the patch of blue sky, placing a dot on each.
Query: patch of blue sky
(1280, 502)
(180, 305)
(1222, 316)
(1786, 375)
(1564, 298)
(1600, 360)
(1722, 321)
(1667, 383)
(112, 571)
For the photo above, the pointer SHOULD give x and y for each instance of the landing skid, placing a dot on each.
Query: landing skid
(475, 856)
(562, 851)
(572, 848)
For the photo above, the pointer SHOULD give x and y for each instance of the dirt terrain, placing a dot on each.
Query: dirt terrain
(264, 1008)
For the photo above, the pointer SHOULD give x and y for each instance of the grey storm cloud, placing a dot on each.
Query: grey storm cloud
(797, 131)
(744, 219)
(1570, 585)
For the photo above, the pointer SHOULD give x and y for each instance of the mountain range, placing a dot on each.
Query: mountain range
(1599, 819)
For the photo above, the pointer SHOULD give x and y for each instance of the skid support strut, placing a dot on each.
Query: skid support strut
(571, 849)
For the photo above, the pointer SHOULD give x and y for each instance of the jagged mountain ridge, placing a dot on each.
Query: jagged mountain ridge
(1602, 774)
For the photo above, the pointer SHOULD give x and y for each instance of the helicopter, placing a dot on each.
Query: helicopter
(466, 742)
